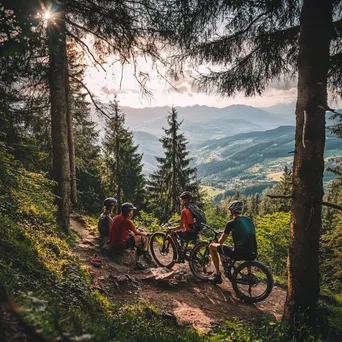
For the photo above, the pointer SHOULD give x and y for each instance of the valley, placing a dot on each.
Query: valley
(236, 147)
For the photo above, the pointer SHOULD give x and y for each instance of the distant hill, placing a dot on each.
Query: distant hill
(150, 146)
(236, 146)
(248, 159)
(287, 111)
(201, 122)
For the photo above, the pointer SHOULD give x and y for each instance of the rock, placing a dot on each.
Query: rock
(84, 246)
(123, 282)
(168, 316)
(122, 257)
(164, 276)
(89, 242)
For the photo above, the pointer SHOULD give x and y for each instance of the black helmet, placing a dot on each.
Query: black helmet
(109, 202)
(186, 194)
(127, 207)
(236, 206)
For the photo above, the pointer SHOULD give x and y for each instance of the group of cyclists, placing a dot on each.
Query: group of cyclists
(123, 234)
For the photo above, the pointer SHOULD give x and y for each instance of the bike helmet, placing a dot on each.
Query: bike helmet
(109, 202)
(126, 207)
(186, 195)
(236, 206)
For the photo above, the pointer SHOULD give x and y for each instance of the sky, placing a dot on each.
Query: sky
(120, 81)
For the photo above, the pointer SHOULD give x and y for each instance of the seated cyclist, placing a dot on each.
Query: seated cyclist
(184, 229)
(243, 234)
(105, 219)
(124, 234)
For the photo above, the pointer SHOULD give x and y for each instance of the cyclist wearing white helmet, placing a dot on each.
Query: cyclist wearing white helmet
(243, 233)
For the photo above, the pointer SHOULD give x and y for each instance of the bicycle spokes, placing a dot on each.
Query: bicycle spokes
(253, 282)
(163, 250)
(200, 262)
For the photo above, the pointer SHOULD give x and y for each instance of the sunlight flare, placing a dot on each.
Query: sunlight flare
(47, 15)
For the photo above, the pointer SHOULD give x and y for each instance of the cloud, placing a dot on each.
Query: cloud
(285, 84)
(184, 86)
(113, 91)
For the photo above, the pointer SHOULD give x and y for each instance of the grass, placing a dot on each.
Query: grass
(212, 191)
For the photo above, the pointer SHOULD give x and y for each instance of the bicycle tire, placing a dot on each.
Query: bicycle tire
(252, 278)
(157, 241)
(203, 261)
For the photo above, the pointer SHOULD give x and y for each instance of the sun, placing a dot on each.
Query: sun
(47, 15)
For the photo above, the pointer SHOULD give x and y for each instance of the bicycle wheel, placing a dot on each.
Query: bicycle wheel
(252, 281)
(163, 250)
(200, 261)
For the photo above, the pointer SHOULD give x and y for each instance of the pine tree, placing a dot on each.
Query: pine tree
(174, 174)
(252, 205)
(122, 173)
(283, 188)
(87, 149)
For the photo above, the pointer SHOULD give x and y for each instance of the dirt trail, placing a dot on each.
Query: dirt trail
(196, 304)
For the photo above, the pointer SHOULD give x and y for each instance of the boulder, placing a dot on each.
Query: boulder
(125, 257)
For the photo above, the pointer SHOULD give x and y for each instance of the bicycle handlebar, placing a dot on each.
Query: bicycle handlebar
(206, 226)
(168, 224)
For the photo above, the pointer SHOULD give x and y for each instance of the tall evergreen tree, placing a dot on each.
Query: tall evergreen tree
(122, 172)
(87, 148)
(174, 173)
(252, 205)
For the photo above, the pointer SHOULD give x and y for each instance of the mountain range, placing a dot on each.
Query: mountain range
(201, 122)
(235, 146)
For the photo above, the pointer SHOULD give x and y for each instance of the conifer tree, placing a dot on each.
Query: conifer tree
(87, 149)
(122, 172)
(252, 205)
(174, 173)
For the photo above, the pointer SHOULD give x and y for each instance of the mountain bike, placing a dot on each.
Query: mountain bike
(252, 281)
(168, 248)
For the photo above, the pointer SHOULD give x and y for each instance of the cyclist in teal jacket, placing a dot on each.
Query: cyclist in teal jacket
(243, 233)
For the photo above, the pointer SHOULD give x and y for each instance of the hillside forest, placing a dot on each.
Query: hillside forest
(57, 167)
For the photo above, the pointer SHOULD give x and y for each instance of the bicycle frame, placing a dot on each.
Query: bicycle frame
(228, 264)
(180, 248)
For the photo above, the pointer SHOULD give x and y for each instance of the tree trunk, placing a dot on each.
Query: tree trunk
(71, 140)
(174, 197)
(117, 156)
(59, 125)
(308, 166)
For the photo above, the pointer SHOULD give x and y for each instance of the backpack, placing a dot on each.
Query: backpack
(103, 224)
(198, 216)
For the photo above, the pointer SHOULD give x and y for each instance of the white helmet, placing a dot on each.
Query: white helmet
(236, 206)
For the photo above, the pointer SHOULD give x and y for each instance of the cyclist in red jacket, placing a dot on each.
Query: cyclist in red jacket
(184, 229)
(124, 234)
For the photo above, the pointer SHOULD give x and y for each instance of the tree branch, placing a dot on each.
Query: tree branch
(84, 45)
(280, 196)
(331, 205)
(96, 35)
(327, 204)
(91, 97)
